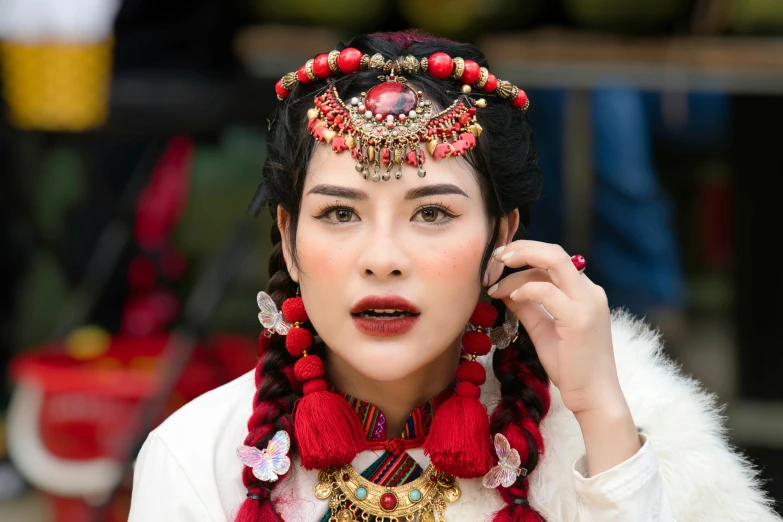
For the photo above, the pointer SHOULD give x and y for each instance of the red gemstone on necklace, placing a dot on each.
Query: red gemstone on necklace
(390, 98)
(388, 501)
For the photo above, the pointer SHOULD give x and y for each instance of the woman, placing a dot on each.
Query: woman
(388, 387)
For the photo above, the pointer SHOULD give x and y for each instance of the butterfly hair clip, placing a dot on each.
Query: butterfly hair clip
(271, 462)
(509, 465)
(271, 318)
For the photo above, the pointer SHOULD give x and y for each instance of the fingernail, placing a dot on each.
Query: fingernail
(506, 256)
(498, 250)
(513, 294)
(492, 289)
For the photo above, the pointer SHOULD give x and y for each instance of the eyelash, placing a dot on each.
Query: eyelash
(326, 210)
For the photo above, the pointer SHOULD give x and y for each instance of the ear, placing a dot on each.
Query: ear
(283, 224)
(508, 227)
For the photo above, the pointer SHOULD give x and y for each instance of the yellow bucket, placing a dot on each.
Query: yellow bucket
(56, 86)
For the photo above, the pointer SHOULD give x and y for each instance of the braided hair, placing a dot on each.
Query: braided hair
(508, 173)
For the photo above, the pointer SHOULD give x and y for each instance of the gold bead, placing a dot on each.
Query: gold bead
(309, 70)
(459, 68)
(332, 61)
(504, 89)
(466, 88)
(289, 81)
(424, 64)
(483, 77)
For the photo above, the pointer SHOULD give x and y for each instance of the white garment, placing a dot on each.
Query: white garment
(188, 468)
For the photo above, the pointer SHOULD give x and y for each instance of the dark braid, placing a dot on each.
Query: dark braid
(274, 402)
(525, 400)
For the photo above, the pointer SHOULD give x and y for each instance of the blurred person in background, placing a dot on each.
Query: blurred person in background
(419, 354)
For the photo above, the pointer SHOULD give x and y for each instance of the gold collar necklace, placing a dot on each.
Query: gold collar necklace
(353, 497)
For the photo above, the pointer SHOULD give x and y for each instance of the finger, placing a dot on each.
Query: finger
(511, 282)
(552, 298)
(532, 316)
(549, 257)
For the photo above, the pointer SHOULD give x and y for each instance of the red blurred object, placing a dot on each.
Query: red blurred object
(71, 418)
(163, 201)
(715, 219)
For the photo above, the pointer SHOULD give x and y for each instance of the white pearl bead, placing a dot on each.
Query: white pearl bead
(412, 114)
(354, 101)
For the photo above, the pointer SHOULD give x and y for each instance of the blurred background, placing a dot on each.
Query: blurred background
(131, 143)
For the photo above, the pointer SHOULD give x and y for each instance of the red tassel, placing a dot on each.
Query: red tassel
(459, 438)
(327, 430)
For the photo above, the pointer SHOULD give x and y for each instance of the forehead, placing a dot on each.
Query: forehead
(327, 167)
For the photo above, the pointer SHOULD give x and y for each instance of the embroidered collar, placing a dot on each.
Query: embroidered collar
(416, 428)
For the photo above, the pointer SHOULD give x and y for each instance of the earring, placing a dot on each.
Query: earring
(327, 430)
(502, 336)
(459, 438)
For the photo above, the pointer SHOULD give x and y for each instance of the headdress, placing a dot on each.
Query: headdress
(386, 126)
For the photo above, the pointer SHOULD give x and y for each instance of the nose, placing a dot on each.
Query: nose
(384, 255)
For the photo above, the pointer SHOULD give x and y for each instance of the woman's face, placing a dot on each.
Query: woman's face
(389, 271)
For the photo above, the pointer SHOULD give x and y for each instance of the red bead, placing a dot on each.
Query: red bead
(390, 98)
(492, 83)
(294, 310)
(280, 90)
(464, 119)
(349, 60)
(472, 72)
(310, 367)
(321, 66)
(475, 342)
(520, 101)
(302, 75)
(467, 389)
(346, 476)
(484, 315)
(440, 65)
(471, 371)
(297, 341)
(388, 501)
(579, 262)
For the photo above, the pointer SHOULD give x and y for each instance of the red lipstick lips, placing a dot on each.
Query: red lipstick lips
(384, 316)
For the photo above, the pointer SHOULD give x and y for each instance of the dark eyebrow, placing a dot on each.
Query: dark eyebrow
(439, 189)
(339, 192)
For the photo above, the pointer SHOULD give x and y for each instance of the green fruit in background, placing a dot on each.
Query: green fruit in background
(468, 18)
(626, 16)
(348, 15)
(757, 16)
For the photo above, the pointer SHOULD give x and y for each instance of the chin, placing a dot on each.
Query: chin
(388, 361)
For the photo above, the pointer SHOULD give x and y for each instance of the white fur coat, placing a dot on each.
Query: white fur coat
(707, 481)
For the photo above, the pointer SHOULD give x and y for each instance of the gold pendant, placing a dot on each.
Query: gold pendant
(353, 497)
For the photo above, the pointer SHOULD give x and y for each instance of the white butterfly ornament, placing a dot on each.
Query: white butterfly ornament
(271, 319)
(508, 468)
(270, 462)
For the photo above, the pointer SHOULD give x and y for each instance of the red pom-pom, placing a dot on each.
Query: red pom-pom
(477, 343)
(294, 310)
(321, 66)
(328, 432)
(484, 315)
(280, 90)
(314, 385)
(468, 390)
(459, 438)
(440, 65)
(492, 83)
(310, 367)
(297, 341)
(471, 73)
(471, 371)
(349, 60)
(301, 75)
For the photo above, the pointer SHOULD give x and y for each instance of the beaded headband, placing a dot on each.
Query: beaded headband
(386, 125)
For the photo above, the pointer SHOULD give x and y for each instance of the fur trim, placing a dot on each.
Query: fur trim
(706, 479)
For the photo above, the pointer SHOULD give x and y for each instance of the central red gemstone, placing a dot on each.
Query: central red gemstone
(390, 98)
(388, 501)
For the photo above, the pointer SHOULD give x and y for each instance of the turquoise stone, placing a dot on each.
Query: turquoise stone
(361, 493)
(415, 495)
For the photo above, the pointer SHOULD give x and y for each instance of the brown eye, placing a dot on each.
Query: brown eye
(430, 214)
(343, 215)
